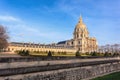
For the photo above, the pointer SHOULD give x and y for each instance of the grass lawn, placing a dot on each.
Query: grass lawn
(112, 76)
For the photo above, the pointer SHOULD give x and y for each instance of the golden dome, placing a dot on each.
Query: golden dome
(80, 24)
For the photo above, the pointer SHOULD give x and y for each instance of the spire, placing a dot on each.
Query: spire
(80, 20)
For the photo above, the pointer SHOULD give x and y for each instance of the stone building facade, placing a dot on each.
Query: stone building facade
(16, 46)
(81, 42)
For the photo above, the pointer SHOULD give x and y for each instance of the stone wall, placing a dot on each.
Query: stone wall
(42, 61)
(78, 73)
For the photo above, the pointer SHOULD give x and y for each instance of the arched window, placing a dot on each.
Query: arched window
(79, 42)
(77, 35)
(71, 42)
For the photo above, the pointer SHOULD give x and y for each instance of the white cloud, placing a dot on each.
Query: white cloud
(8, 18)
(19, 31)
(26, 33)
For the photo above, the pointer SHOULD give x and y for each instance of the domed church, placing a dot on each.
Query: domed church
(81, 40)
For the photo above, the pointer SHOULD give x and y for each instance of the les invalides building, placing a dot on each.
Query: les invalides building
(81, 42)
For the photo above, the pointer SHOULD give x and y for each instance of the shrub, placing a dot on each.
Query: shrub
(49, 54)
(94, 54)
(23, 52)
(107, 54)
(87, 53)
(17, 51)
(27, 52)
(116, 54)
(77, 53)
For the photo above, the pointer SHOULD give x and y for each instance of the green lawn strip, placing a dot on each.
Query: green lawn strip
(112, 76)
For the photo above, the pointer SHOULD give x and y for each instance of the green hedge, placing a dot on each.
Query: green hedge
(23, 52)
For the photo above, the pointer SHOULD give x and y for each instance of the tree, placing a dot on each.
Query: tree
(27, 52)
(107, 54)
(49, 54)
(116, 54)
(77, 53)
(3, 37)
(94, 54)
(24, 52)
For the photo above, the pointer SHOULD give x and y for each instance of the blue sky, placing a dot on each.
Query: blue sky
(48, 21)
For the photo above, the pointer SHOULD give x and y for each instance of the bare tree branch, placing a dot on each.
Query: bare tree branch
(3, 37)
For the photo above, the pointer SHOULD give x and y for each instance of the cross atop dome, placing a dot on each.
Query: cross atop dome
(80, 20)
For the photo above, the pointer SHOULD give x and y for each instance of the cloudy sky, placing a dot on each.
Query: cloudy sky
(47, 21)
